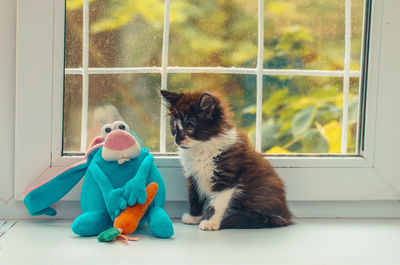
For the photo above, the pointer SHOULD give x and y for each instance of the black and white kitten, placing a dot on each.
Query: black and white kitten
(230, 185)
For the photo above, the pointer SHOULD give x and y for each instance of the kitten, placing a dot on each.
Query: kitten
(235, 184)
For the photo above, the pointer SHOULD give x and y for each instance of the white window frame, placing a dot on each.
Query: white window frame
(371, 175)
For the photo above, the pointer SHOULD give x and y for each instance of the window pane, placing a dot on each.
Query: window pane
(357, 21)
(133, 98)
(354, 113)
(307, 34)
(238, 90)
(213, 33)
(303, 115)
(73, 34)
(125, 33)
(72, 113)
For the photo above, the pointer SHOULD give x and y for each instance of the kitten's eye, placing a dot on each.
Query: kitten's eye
(173, 129)
(189, 129)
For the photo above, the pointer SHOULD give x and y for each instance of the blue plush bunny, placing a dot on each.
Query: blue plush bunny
(117, 171)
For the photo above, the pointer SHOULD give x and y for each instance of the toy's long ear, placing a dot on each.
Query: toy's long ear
(39, 199)
(96, 141)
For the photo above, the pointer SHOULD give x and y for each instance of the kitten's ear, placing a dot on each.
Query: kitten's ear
(171, 97)
(207, 104)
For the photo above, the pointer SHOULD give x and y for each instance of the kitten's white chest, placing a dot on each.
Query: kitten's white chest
(198, 161)
(201, 167)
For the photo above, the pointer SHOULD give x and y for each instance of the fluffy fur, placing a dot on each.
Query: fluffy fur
(230, 185)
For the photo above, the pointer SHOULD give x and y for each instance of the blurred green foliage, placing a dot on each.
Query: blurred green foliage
(300, 114)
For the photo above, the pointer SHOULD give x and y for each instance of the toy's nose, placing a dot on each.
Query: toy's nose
(119, 140)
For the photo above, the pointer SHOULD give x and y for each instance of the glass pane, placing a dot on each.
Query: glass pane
(126, 33)
(238, 90)
(213, 33)
(357, 13)
(133, 98)
(73, 34)
(307, 34)
(72, 113)
(303, 114)
(354, 113)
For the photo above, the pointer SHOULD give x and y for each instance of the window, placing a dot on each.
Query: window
(289, 69)
(370, 174)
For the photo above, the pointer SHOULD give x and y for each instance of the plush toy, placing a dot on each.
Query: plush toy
(117, 171)
(127, 222)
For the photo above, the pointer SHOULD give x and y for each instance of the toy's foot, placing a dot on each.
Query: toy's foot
(91, 223)
(160, 224)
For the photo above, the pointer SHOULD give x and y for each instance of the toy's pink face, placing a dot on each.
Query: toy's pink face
(119, 144)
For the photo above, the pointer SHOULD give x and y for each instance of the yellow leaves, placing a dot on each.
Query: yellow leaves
(280, 7)
(244, 52)
(206, 44)
(332, 132)
(152, 12)
(278, 150)
(73, 4)
(178, 12)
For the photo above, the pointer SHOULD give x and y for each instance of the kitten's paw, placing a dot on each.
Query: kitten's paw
(209, 225)
(189, 219)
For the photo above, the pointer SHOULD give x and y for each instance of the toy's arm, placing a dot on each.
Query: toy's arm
(113, 198)
(135, 189)
(39, 200)
(155, 176)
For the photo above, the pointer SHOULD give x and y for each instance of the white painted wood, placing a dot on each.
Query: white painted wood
(33, 114)
(260, 66)
(85, 74)
(303, 183)
(309, 241)
(7, 97)
(373, 82)
(58, 82)
(164, 77)
(297, 72)
(387, 143)
(212, 70)
(278, 161)
(363, 67)
(346, 76)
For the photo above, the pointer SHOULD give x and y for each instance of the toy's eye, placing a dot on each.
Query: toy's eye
(120, 125)
(107, 129)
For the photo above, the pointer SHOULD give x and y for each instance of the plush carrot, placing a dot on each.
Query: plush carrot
(127, 222)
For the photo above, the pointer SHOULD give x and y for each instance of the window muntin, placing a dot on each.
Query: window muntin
(287, 56)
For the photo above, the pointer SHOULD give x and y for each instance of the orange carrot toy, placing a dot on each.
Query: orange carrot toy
(127, 222)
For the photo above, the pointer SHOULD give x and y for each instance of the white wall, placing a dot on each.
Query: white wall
(7, 97)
